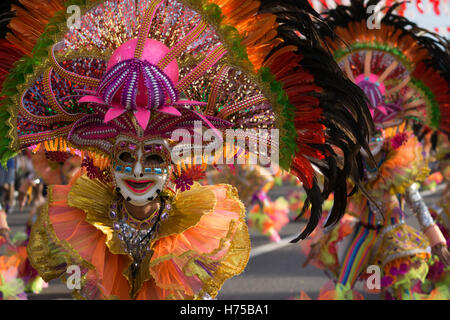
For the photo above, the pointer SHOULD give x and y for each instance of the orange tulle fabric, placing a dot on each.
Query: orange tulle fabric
(173, 254)
(402, 167)
(7, 262)
(173, 266)
(69, 224)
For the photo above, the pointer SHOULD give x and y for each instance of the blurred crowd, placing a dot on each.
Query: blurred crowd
(19, 183)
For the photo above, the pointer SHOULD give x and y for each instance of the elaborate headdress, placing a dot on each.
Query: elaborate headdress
(399, 66)
(145, 68)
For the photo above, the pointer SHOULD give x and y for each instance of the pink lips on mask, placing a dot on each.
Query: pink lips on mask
(139, 186)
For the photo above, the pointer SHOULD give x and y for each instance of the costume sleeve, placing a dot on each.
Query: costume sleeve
(418, 206)
(45, 255)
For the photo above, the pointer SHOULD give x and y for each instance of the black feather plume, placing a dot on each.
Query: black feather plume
(345, 108)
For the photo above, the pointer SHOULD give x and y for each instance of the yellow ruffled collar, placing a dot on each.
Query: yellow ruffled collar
(402, 167)
(95, 198)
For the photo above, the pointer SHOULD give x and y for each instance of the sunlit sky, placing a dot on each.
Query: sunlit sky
(431, 20)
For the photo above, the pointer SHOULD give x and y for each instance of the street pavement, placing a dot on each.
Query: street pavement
(274, 270)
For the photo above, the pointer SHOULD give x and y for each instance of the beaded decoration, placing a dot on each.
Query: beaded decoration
(136, 235)
(166, 64)
(397, 65)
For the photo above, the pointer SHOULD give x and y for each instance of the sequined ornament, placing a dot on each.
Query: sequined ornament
(148, 68)
(137, 235)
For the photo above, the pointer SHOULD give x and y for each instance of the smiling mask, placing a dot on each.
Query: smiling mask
(141, 168)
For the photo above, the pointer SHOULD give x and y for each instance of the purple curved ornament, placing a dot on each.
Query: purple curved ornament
(375, 92)
(130, 82)
(372, 92)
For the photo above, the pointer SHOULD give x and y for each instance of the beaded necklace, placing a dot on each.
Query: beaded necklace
(135, 234)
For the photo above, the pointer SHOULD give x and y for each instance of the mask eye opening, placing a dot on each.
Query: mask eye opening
(153, 160)
(127, 157)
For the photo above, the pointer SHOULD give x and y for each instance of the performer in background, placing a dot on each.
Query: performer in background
(401, 68)
(118, 86)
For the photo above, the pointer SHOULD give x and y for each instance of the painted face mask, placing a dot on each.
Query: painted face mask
(376, 144)
(141, 169)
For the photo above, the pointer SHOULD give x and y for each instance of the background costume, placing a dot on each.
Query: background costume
(398, 66)
(118, 86)
(253, 184)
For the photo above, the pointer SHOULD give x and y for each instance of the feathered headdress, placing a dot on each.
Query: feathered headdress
(397, 64)
(147, 68)
(431, 78)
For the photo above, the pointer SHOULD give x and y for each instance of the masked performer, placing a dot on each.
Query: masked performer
(388, 63)
(120, 83)
(437, 281)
